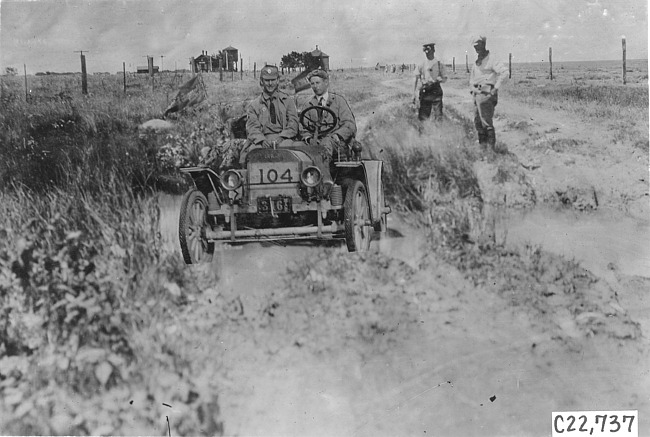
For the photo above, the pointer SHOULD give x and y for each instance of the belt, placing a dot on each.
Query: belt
(478, 89)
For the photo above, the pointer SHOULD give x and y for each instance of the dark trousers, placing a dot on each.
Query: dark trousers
(484, 105)
(430, 101)
(427, 106)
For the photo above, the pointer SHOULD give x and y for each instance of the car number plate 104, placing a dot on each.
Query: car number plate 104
(273, 205)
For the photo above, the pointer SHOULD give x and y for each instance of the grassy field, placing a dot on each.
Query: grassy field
(88, 295)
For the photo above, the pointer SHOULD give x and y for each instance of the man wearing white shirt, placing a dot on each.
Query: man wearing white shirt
(431, 73)
(487, 76)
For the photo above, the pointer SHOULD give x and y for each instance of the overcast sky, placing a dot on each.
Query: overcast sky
(44, 34)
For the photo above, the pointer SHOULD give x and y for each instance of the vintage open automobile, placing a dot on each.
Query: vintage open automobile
(280, 195)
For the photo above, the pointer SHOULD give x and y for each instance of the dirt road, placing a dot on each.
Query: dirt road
(322, 342)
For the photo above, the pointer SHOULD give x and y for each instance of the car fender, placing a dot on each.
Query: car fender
(369, 172)
(205, 179)
(373, 171)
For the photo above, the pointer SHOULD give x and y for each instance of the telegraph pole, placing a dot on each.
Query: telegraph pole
(84, 77)
(624, 66)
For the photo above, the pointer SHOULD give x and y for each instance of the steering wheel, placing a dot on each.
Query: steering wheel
(318, 120)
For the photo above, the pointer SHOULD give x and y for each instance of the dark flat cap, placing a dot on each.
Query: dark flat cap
(319, 73)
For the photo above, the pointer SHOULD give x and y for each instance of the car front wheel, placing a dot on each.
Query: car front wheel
(195, 248)
(358, 230)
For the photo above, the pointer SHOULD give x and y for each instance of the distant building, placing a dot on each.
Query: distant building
(145, 69)
(227, 60)
(323, 57)
(231, 60)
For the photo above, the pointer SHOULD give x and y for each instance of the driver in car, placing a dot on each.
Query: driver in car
(346, 127)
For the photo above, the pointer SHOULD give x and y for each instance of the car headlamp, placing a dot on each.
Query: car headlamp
(311, 176)
(231, 180)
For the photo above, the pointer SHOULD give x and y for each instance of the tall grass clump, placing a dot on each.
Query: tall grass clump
(80, 277)
(83, 273)
(428, 173)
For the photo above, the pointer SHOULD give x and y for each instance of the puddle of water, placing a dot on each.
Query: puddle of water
(593, 239)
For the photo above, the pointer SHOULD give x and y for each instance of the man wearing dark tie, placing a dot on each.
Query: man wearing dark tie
(271, 119)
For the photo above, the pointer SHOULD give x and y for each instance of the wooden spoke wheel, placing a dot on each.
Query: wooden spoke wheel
(358, 230)
(192, 221)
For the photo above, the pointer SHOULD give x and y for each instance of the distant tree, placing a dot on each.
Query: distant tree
(11, 71)
(292, 60)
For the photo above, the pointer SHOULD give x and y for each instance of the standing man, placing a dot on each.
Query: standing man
(485, 79)
(272, 118)
(431, 73)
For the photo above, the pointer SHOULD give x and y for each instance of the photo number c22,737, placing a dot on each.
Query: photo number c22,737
(595, 423)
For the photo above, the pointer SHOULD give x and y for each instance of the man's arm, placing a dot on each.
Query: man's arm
(347, 124)
(502, 74)
(415, 86)
(291, 123)
(442, 72)
(253, 124)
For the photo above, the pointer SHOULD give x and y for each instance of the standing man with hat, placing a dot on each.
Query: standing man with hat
(485, 79)
(431, 73)
(272, 118)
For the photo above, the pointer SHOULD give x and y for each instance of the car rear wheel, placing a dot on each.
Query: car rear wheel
(195, 248)
(358, 230)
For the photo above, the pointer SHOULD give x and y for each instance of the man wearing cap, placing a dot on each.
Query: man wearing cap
(272, 118)
(431, 73)
(486, 77)
(346, 126)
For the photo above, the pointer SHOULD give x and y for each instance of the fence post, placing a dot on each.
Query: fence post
(624, 67)
(26, 89)
(466, 62)
(124, 75)
(84, 78)
(509, 65)
(550, 62)
(453, 64)
(254, 70)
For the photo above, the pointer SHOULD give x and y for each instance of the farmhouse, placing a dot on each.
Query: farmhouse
(227, 60)
(323, 57)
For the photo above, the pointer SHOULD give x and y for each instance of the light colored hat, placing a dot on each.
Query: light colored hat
(477, 39)
(270, 72)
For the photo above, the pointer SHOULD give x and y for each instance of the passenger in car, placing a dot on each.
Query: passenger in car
(272, 118)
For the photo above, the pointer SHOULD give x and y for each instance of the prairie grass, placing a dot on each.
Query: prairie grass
(429, 173)
(83, 272)
(80, 277)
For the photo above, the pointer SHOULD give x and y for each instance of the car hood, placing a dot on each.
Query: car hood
(278, 155)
